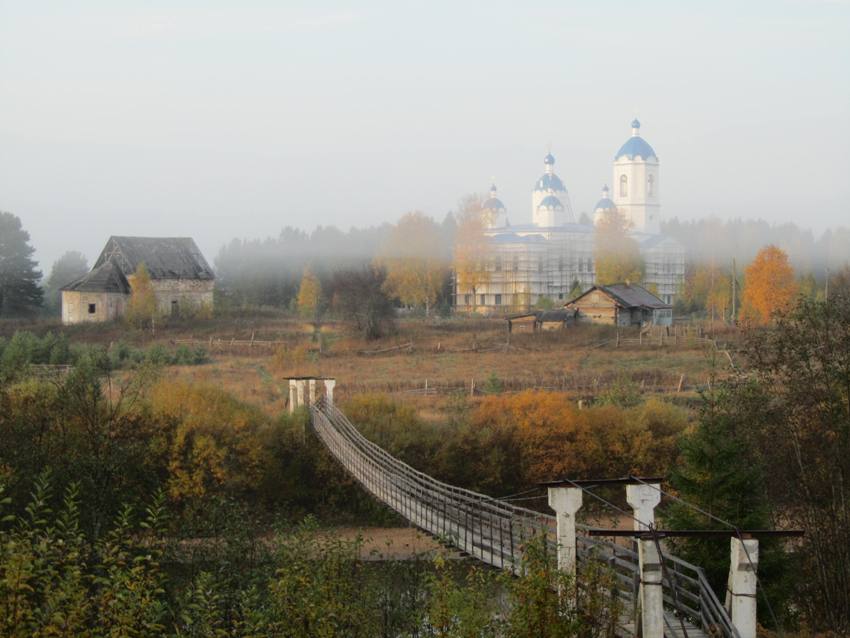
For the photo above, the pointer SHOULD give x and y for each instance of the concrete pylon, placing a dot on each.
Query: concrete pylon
(299, 392)
(329, 390)
(643, 499)
(312, 387)
(292, 396)
(566, 501)
(741, 594)
(651, 590)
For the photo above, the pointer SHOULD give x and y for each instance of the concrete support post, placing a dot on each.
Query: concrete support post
(292, 396)
(643, 499)
(329, 390)
(566, 501)
(741, 595)
(651, 592)
(299, 392)
(312, 386)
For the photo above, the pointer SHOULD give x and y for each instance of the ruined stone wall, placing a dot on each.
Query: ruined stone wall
(180, 296)
(85, 307)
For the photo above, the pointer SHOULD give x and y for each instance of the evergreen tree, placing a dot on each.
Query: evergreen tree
(719, 472)
(68, 268)
(20, 292)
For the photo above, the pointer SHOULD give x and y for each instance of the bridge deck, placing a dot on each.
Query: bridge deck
(495, 532)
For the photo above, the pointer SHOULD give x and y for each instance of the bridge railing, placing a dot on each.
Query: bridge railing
(496, 532)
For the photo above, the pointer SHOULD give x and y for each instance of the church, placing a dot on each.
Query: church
(553, 256)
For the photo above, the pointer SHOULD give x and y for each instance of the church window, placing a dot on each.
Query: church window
(624, 186)
(466, 300)
(483, 301)
(650, 185)
(92, 309)
(498, 300)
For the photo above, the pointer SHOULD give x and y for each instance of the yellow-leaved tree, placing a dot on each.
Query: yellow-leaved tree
(141, 308)
(414, 260)
(769, 285)
(709, 287)
(616, 255)
(471, 249)
(309, 294)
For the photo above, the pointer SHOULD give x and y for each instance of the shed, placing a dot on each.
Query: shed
(540, 320)
(621, 305)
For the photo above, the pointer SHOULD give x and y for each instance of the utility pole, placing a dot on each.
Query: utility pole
(734, 289)
(826, 289)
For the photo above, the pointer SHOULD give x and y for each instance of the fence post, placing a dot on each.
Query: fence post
(292, 396)
(299, 392)
(566, 501)
(741, 593)
(311, 384)
(643, 499)
(329, 390)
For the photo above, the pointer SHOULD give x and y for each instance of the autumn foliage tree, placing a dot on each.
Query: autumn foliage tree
(471, 249)
(414, 260)
(617, 256)
(141, 308)
(707, 287)
(309, 294)
(770, 286)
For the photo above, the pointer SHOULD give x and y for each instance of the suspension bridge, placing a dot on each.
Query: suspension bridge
(661, 594)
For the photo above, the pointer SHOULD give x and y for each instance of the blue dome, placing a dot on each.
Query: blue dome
(636, 147)
(494, 203)
(549, 159)
(604, 204)
(550, 202)
(549, 182)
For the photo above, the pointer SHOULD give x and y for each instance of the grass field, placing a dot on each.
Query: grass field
(447, 355)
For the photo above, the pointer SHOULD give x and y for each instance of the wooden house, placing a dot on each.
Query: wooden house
(621, 305)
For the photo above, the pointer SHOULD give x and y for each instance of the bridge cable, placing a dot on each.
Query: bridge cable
(654, 532)
(740, 536)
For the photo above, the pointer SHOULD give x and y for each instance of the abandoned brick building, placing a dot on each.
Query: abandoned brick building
(181, 279)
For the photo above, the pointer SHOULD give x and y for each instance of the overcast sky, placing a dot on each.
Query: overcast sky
(234, 119)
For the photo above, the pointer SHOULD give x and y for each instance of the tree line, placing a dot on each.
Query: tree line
(415, 263)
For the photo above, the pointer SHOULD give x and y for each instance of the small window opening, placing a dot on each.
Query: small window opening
(92, 308)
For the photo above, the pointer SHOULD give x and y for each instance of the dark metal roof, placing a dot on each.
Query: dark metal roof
(628, 296)
(556, 315)
(164, 257)
(104, 278)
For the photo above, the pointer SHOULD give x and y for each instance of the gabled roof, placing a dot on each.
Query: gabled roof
(104, 278)
(556, 315)
(627, 296)
(164, 257)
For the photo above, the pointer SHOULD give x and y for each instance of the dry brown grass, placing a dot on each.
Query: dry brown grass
(449, 355)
